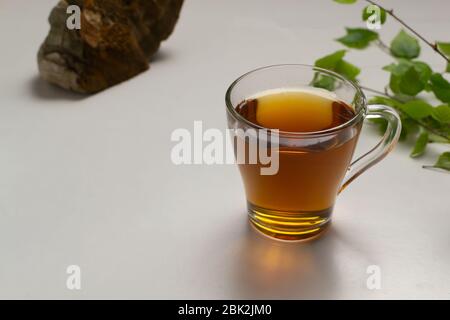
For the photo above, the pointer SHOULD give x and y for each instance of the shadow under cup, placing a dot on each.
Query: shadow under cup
(297, 201)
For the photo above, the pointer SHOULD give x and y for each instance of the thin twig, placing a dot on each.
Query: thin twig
(381, 93)
(384, 47)
(393, 15)
(374, 91)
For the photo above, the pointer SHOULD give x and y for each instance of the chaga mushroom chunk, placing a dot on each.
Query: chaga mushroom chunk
(115, 42)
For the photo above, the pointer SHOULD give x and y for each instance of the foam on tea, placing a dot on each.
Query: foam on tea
(296, 110)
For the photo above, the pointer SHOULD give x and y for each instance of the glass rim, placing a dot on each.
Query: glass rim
(362, 101)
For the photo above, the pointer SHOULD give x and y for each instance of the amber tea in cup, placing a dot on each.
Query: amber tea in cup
(318, 131)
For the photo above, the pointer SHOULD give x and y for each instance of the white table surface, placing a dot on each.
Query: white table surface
(89, 181)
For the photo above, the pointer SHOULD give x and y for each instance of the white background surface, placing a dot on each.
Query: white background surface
(89, 181)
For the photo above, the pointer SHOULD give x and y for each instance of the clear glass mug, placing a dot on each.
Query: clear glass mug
(313, 167)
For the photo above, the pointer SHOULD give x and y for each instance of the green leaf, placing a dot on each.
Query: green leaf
(345, 1)
(324, 82)
(367, 12)
(330, 61)
(420, 146)
(440, 87)
(405, 46)
(409, 126)
(408, 77)
(397, 71)
(436, 127)
(347, 69)
(386, 101)
(443, 162)
(444, 47)
(399, 68)
(358, 38)
(410, 83)
(417, 109)
(335, 62)
(437, 138)
(423, 69)
(441, 114)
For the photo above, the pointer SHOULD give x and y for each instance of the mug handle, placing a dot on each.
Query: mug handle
(377, 153)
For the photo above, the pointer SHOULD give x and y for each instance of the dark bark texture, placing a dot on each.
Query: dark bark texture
(115, 43)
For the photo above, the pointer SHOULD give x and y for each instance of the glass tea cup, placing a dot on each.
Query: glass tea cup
(296, 202)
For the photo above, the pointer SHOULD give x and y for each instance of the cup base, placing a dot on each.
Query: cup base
(289, 226)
